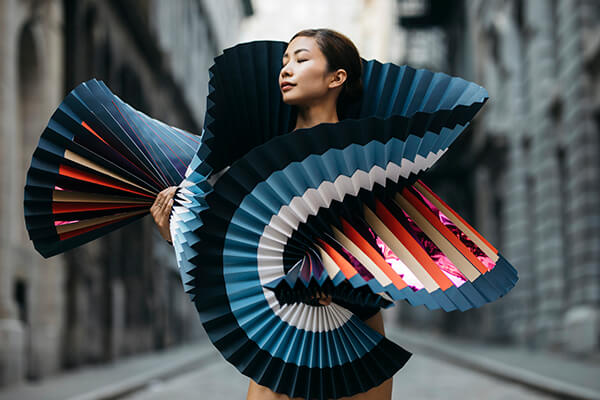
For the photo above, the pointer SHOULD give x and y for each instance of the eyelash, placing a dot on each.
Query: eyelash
(298, 61)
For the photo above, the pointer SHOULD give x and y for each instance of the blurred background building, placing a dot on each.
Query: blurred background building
(122, 294)
(526, 173)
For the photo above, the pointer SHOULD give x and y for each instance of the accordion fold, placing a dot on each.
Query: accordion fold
(99, 165)
(336, 209)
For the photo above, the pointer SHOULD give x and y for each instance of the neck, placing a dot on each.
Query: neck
(309, 116)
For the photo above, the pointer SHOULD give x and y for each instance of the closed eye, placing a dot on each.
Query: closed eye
(299, 61)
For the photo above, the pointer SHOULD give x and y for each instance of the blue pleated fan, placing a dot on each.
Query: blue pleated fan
(298, 213)
(99, 165)
(267, 219)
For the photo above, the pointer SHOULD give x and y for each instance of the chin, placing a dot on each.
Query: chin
(291, 100)
(294, 97)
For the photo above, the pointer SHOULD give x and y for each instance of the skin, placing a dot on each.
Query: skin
(316, 89)
(315, 94)
(161, 211)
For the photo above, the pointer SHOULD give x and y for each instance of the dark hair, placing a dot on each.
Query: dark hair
(339, 52)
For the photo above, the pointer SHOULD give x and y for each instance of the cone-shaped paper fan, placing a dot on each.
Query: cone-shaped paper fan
(406, 246)
(99, 165)
(327, 209)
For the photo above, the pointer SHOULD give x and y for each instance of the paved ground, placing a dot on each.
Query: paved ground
(108, 381)
(422, 378)
(440, 368)
(567, 377)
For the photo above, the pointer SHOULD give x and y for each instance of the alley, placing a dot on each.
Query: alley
(422, 378)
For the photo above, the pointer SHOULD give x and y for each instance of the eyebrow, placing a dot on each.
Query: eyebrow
(296, 52)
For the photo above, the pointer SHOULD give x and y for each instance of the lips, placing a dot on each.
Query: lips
(287, 86)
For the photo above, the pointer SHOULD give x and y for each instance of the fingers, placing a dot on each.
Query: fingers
(166, 204)
(323, 299)
(169, 198)
(158, 201)
(163, 197)
(326, 301)
(161, 208)
(164, 213)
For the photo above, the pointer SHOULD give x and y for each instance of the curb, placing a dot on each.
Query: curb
(141, 381)
(562, 390)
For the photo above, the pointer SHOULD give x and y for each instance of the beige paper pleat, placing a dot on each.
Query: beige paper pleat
(60, 229)
(330, 266)
(400, 250)
(456, 221)
(76, 158)
(62, 196)
(459, 261)
(361, 257)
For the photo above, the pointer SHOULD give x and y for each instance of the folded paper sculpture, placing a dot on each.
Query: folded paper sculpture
(411, 246)
(337, 209)
(99, 165)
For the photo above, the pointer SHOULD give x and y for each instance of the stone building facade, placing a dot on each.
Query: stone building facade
(540, 60)
(120, 294)
(527, 171)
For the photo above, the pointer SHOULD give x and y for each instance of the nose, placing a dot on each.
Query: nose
(285, 70)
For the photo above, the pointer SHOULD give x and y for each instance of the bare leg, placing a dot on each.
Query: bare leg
(381, 392)
(258, 392)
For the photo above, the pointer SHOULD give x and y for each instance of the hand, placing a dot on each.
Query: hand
(161, 211)
(324, 300)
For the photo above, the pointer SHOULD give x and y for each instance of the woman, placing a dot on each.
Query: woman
(320, 74)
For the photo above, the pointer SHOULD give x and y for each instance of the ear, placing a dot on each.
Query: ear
(338, 78)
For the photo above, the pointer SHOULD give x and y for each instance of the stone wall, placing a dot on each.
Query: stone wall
(538, 60)
(120, 294)
(526, 173)
(31, 304)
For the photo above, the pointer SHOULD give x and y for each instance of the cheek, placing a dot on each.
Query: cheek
(310, 85)
(313, 82)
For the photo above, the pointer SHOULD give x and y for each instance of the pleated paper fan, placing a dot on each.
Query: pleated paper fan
(407, 246)
(245, 107)
(99, 165)
(337, 209)
(250, 248)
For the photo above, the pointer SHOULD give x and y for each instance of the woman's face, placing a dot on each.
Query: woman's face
(304, 76)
